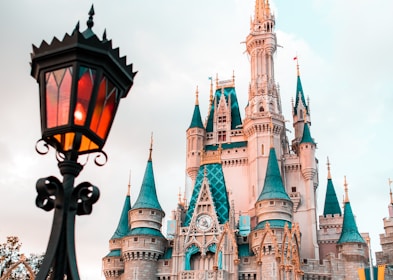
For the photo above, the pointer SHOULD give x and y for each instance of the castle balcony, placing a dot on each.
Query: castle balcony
(204, 275)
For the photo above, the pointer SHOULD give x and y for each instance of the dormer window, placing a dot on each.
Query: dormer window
(222, 119)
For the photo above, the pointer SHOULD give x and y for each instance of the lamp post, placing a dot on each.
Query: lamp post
(81, 81)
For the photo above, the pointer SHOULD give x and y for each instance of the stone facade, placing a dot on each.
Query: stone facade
(252, 212)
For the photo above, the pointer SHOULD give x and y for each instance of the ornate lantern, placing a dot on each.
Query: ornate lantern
(81, 81)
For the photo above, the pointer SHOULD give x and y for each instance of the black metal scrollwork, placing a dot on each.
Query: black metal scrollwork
(45, 146)
(48, 190)
(85, 195)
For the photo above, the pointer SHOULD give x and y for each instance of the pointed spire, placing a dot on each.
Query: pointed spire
(122, 227)
(328, 167)
(148, 195)
(306, 138)
(151, 147)
(196, 120)
(332, 206)
(273, 187)
(350, 232)
(390, 207)
(299, 97)
(346, 198)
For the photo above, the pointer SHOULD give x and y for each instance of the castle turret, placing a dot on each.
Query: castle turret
(351, 246)
(144, 243)
(112, 264)
(300, 113)
(195, 141)
(386, 239)
(275, 229)
(330, 223)
(264, 102)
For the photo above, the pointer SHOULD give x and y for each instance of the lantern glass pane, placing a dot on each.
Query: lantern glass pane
(87, 145)
(105, 108)
(85, 88)
(65, 140)
(58, 95)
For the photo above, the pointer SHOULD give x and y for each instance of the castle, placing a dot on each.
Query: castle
(252, 213)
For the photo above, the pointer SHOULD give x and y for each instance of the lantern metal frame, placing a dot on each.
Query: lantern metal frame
(80, 49)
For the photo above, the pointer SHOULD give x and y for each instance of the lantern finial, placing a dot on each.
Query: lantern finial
(90, 22)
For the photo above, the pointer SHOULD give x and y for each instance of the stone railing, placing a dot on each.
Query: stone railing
(202, 275)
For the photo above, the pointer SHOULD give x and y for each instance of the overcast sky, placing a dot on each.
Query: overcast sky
(345, 55)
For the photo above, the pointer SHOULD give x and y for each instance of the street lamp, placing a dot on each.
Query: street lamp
(81, 81)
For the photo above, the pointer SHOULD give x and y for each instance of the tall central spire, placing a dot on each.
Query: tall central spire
(261, 45)
(262, 10)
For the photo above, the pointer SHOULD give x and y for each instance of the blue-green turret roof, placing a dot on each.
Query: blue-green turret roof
(196, 116)
(299, 95)
(273, 187)
(331, 207)
(122, 227)
(230, 95)
(148, 195)
(306, 138)
(349, 232)
(215, 177)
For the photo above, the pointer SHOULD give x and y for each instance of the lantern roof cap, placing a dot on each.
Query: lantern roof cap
(82, 45)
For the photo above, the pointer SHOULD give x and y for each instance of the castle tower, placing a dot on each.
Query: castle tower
(144, 243)
(330, 223)
(275, 240)
(195, 141)
(264, 104)
(301, 176)
(351, 246)
(386, 239)
(112, 264)
(223, 127)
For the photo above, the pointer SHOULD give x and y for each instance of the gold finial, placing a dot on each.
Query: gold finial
(233, 77)
(179, 195)
(216, 80)
(297, 65)
(328, 167)
(346, 198)
(390, 187)
(196, 96)
(211, 92)
(129, 184)
(151, 146)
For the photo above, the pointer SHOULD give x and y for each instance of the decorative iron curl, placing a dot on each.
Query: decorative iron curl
(48, 189)
(85, 195)
(96, 160)
(44, 145)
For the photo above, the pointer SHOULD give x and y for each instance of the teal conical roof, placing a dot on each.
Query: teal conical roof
(273, 187)
(332, 207)
(349, 233)
(148, 196)
(307, 135)
(122, 227)
(218, 190)
(229, 94)
(300, 96)
(196, 118)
